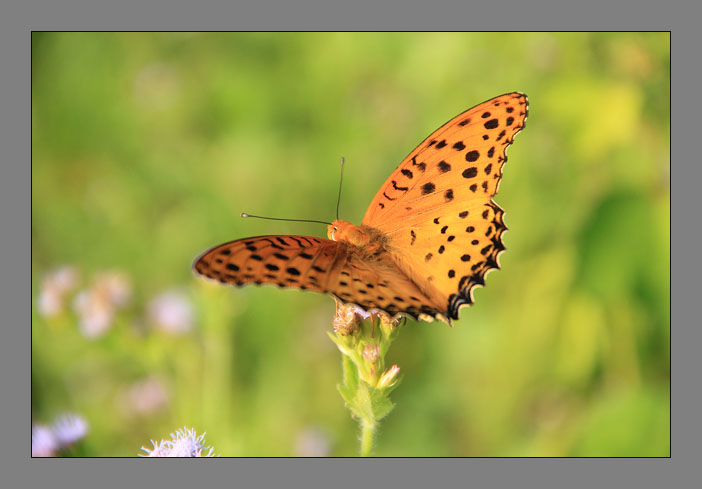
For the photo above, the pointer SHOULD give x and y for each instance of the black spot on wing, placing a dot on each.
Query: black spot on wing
(472, 156)
(470, 172)
(443, 166)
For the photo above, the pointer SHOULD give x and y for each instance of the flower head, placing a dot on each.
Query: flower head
(97, 305)
(54, 288)
(69, 428)
(183, 443)
(348, 317)
(172, 312)
(160, 449)
(44, 442)
(66, 430)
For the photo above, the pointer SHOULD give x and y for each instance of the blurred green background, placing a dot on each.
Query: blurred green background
(146, 147)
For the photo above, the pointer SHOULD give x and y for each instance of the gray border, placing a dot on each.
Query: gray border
(15, 199)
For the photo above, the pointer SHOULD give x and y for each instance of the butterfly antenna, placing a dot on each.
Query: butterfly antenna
(244, 214)
(341, 179)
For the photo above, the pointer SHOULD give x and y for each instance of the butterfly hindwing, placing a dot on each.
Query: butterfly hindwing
(452, 252)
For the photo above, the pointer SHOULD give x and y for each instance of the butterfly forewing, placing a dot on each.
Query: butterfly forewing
(459, 162)
(436, 208)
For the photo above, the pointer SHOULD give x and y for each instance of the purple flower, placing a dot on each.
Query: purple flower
(172, 312)
(69, 428)
(66, 430)
(183, 443)
(44, 442)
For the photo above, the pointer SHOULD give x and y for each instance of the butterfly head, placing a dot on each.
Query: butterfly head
(345, 231)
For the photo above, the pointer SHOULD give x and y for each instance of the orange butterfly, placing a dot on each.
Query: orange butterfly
(428, 238)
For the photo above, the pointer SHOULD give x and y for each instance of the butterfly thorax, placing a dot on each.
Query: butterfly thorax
(367, 238)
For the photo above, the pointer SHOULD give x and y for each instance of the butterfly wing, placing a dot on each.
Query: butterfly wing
(317, 264)
(436, 208)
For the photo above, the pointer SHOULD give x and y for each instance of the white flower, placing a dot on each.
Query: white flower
(97, 305)
(54, 288)
(115, 286)
(160, 449)
(95, 313)
(44, 443)
(183, 443)
(66, 430)
(172, 312)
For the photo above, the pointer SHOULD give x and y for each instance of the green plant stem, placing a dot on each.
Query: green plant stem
(367, 436)
(363, 342)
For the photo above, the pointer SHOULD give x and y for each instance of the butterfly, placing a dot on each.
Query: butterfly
(427, 239)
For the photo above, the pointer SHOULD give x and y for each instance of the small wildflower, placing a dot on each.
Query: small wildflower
(97, 305)
(147, 396)
(312, 442)
(95, 314)
(44, 442)
(116, 287)
(160, 449)
(66, 430)
(183, 443)
(54, 288)
(172, 312)
(389, 378)
(69, 428)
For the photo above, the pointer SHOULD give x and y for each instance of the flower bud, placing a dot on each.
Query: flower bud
(371, 352)
(389, 377)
